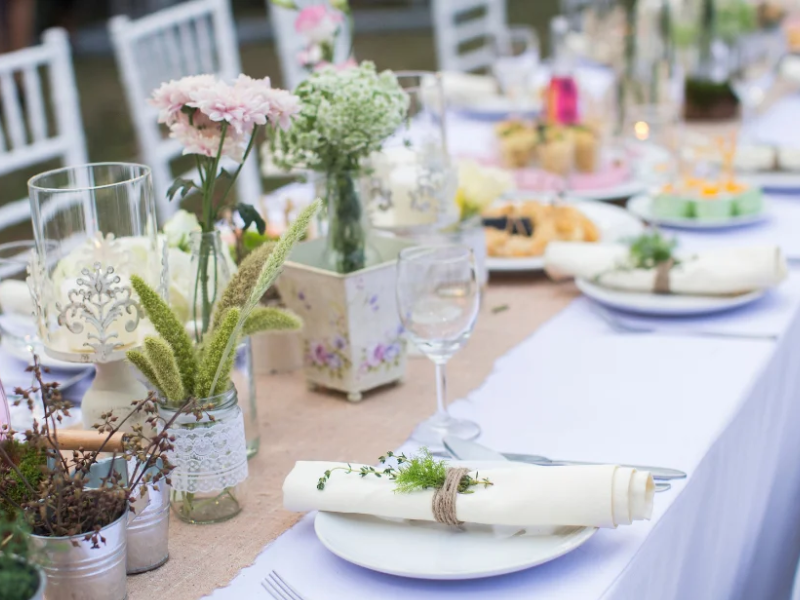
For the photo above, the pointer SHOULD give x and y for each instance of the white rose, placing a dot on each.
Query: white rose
(178, 228)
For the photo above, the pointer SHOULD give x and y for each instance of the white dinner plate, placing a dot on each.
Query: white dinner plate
(642, 207)
(614, 223)
(673, 305)
(427, 550)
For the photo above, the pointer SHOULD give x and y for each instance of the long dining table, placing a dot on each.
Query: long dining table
(544, 374)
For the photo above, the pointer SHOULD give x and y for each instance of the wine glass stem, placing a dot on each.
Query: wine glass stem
(441, 390)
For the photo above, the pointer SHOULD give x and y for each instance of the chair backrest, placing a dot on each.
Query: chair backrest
(289, 43)
(191, 38)
(27, 137)
(458, 22)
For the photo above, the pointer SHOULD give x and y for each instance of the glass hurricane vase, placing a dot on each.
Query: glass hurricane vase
(210, 459)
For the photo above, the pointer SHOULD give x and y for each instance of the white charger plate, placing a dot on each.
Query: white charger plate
(642, 207)
(614, 223)
(425, 550)
(621, 191)
(672, 305)
(495, 108)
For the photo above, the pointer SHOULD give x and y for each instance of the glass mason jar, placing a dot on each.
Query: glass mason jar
(210, 460)
(212, 266)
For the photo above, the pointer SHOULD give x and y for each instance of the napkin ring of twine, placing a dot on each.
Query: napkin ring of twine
(663, 269)
(444, 498)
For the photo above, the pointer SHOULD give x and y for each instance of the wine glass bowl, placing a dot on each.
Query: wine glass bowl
(438, 298)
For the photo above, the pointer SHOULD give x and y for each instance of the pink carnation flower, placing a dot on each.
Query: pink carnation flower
(318, 23)
(203, 137)
(171, 96)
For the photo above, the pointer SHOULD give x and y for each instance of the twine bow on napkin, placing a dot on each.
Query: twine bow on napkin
(661, 285)
(444, 498)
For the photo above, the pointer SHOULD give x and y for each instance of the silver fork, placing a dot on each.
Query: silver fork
(279, 589)
(621, 326)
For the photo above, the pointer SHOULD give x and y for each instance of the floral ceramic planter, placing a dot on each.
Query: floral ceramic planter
(352, 340)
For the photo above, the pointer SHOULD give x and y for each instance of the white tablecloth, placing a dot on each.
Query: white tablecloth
(724, 410)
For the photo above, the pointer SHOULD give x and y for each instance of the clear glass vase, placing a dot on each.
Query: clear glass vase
(244, 380)
(210, 460)
(211, 266)
(348, 249)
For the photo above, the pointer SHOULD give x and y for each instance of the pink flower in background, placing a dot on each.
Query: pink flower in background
(318, 23)
(310, 56)
(350, 63)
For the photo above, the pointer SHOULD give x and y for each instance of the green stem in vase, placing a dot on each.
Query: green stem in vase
(346, 233)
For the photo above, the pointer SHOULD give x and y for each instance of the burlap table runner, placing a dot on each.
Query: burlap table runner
(299, 424)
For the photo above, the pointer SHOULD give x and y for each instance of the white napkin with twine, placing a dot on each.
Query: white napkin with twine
(718, 272)
(521, 495)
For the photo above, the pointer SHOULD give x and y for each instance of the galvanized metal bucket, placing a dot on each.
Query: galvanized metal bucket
(75, 570)
(148, 523)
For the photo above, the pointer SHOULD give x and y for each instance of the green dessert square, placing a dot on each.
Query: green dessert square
(670, 207)
(713, 209)
(749, 202)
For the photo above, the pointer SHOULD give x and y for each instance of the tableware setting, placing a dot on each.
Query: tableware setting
(489, 517)
(645, 276)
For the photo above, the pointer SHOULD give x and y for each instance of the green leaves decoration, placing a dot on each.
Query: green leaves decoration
(165, 367)
(241, 284)
(214, 372)
(170, 328)
(250, 215)
(270, 318)
(181, 187)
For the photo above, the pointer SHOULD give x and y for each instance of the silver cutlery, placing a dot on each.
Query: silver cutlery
(278, 589)
(466, 450)
(622, 326)
(659, 473)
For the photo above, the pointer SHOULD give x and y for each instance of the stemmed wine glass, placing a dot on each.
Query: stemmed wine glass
(438, 298)
(515, 63)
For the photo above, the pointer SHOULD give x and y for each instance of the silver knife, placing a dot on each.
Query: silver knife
(466, 450)
(660, 473)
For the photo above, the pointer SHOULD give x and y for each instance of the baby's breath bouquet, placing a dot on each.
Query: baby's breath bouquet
(345, 115)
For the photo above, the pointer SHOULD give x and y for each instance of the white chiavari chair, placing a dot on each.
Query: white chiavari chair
(35, 126)
(191, 38)
(457, 22)
(289, 44)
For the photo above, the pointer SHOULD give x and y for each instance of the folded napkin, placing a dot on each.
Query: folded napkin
(522, 495)
(717, 272)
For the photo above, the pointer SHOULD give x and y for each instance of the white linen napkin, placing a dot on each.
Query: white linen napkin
(527, 495)
(716, 272)
(468, 89)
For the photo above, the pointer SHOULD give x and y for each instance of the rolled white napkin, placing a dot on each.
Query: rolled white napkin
(717, 272)
(522, 495)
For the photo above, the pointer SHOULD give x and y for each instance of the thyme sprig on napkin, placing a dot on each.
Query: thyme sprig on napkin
(420, 472)
(651, 249)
